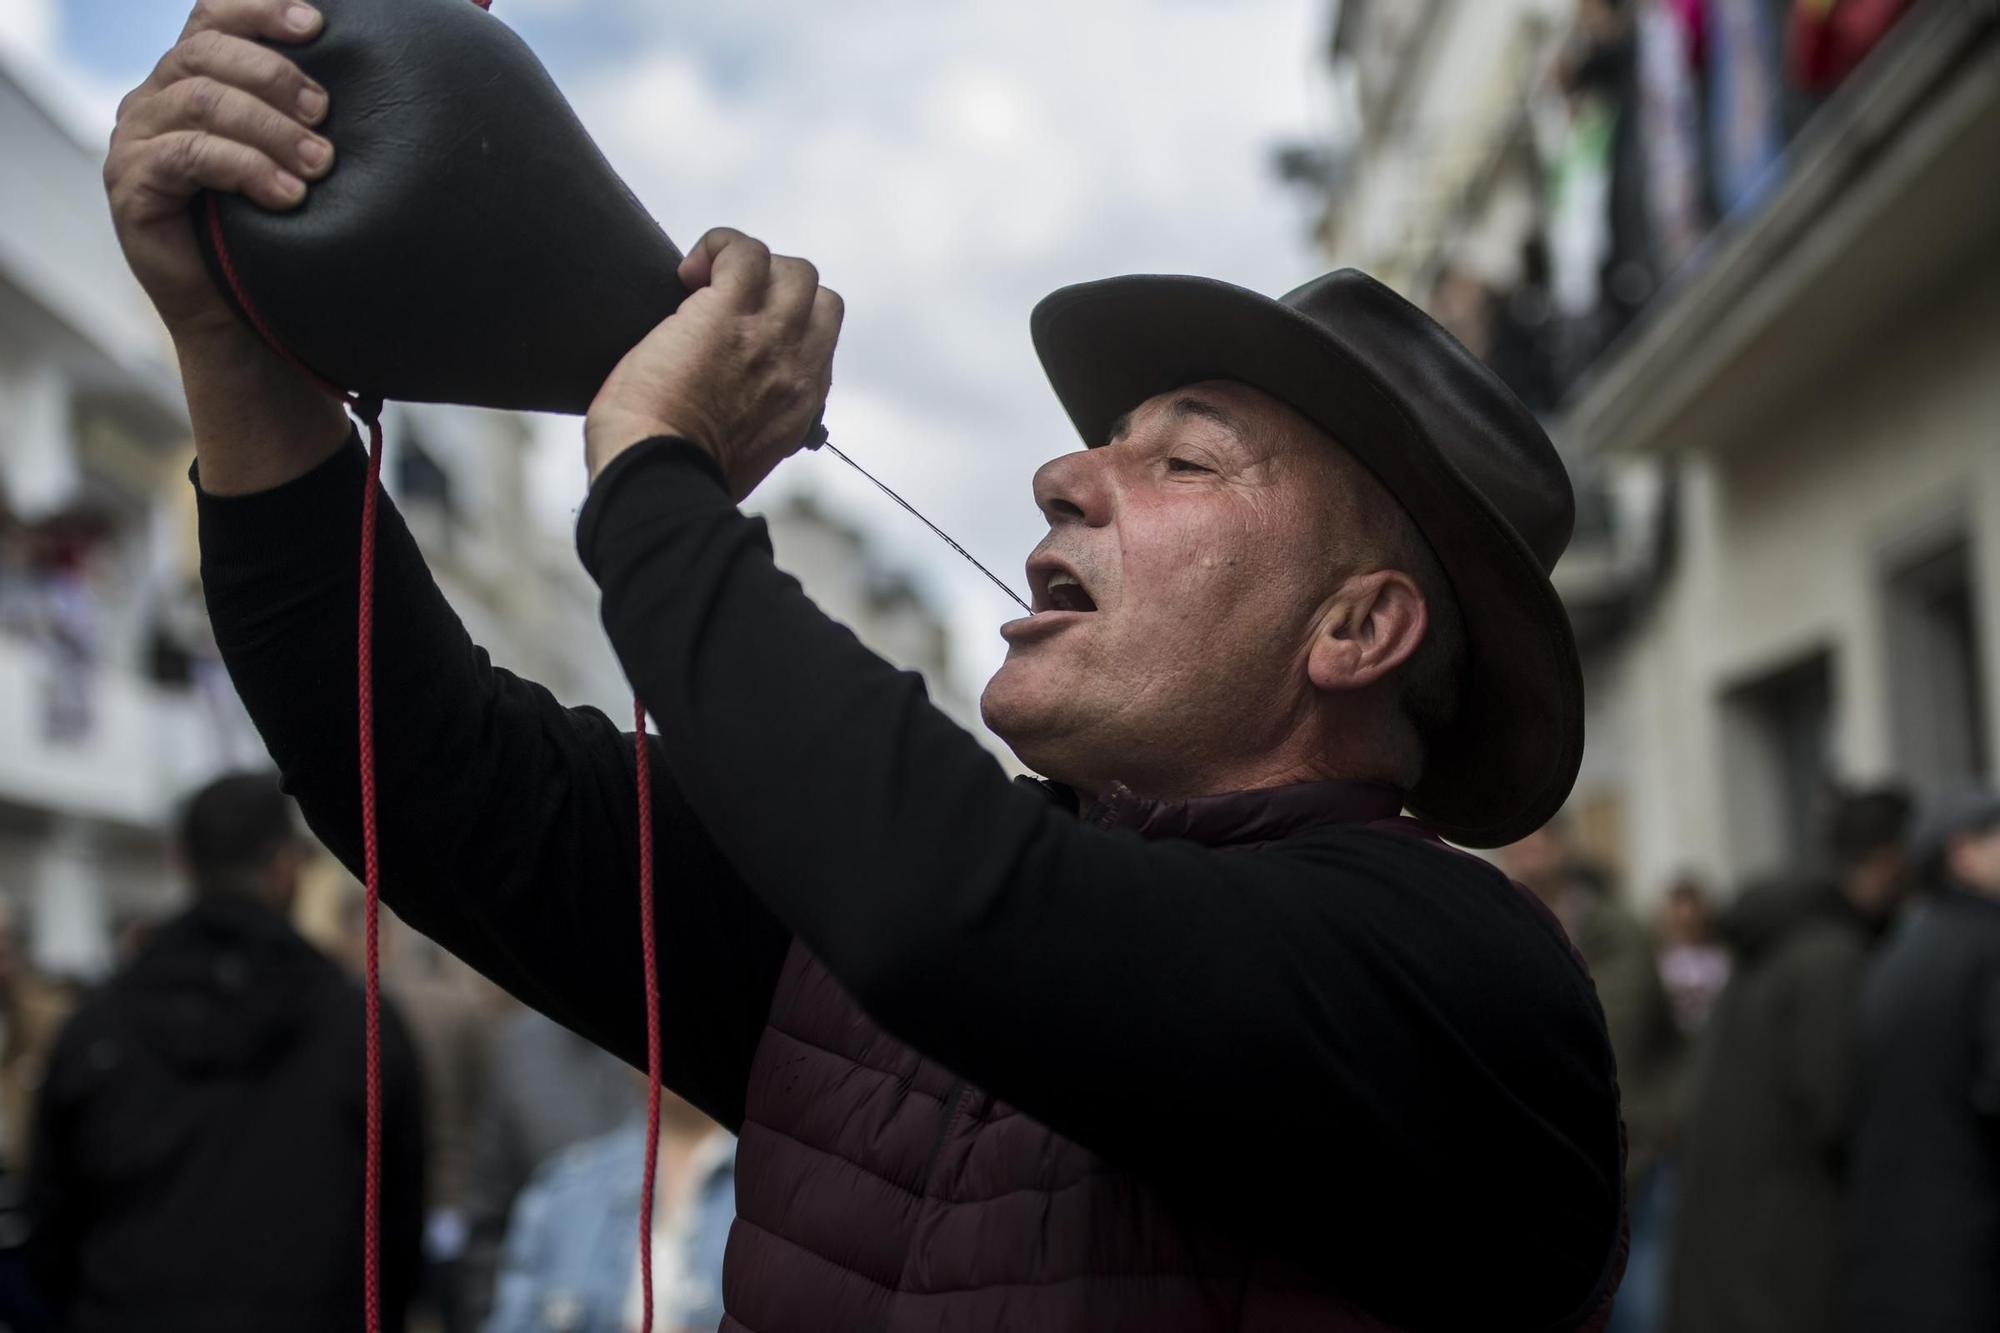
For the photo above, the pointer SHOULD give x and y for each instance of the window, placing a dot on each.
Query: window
(1938, 697)
(1778, 738)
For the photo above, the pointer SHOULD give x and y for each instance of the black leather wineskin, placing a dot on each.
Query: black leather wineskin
(471, 244)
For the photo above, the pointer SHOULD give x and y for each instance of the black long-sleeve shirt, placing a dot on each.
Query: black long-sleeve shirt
(1403, 1050)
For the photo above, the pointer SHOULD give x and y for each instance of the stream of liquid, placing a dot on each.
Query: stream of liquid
(943, 536)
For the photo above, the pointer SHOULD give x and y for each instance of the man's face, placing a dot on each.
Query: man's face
(1880, 880)
(1685, 920)
(1187, 564)
(1975, 860)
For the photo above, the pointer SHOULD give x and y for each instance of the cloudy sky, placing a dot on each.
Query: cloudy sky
(945, 164)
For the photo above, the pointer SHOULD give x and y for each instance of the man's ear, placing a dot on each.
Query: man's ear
(1371, 626)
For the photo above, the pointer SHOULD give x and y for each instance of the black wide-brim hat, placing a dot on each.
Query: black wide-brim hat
(1467, 461)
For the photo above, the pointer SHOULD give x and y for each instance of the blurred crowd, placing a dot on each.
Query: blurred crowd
(1810, 1075)
(182, 1146)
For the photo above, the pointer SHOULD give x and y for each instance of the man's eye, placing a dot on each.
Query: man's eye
(1185, 465)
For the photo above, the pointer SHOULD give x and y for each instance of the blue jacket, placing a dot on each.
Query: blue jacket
(572, 1243)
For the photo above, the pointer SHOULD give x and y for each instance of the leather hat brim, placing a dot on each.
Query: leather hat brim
(1509, 761)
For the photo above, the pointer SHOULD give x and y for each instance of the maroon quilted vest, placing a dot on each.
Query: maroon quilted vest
(877, 1191)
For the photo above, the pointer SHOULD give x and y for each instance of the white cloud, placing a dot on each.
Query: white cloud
(28, 27)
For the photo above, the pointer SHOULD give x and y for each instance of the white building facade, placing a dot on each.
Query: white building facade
(98, 737)
(1826, 390)
(1786, 576)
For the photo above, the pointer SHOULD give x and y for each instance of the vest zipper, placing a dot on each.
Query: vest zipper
(954, 1101)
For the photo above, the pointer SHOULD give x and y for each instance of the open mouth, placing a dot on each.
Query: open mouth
(1058, 589)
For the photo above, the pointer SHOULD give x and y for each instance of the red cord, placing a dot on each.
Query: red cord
(371, 1215)
(370, 411)
(235, 285)
(649, 953)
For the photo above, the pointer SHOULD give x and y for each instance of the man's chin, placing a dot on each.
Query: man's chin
(1001, 706)
(1026, 710)
(1050, 733)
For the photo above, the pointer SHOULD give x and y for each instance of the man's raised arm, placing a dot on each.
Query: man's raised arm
(508, 822)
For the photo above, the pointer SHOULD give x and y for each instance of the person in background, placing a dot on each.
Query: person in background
(32, 1012)
(452, 1013)
(1694, 965)
(1756, 1240)
(198, 1154)
(571, 1259)
(1923, 1213)
(130, 932)
(1618, 949)
(547, 1089)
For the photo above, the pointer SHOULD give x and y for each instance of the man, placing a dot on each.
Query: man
(32, 1013)
(1924, 1211)
(569, 1264)
(1694, 965)
(1621, 956)
(198, 1143)
(1756, 1243)
(1237, 1048)
(1623, 961)
(547, 1089)
(451, 1013)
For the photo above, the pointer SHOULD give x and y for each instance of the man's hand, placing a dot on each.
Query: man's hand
(741, 369)
(220, 112)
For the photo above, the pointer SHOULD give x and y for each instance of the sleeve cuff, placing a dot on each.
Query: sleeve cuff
(320, 506)
(661, 457)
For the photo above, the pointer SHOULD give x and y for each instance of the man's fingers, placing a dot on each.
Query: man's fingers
(695, 268)
(742, 272)
(280, 20)
(737, 266)
(218, 110)
(823, 330)
(175, 165)
(216, 42)
(793, 289)
(241, 63)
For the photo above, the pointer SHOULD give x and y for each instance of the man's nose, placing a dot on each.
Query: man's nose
(1071, 489)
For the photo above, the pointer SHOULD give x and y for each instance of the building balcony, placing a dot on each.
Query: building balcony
(1887, 196)
(141, 746)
